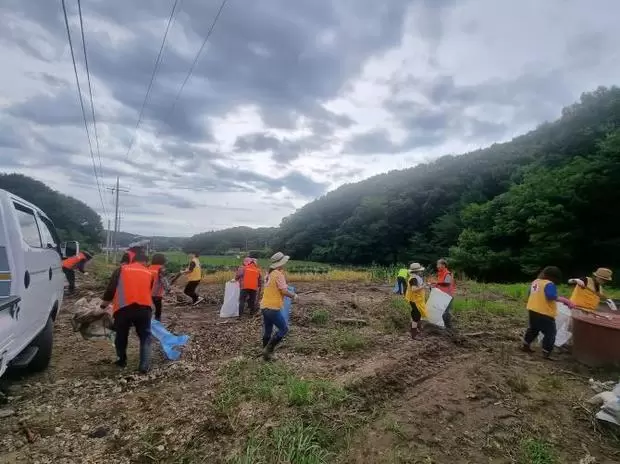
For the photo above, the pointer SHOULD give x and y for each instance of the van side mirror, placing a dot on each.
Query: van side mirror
(69, 249)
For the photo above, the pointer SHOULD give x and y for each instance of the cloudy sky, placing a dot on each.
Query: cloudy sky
(288, 100)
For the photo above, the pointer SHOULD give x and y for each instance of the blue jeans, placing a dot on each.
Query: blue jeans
(273, 317)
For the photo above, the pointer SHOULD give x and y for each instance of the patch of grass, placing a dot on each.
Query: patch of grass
(350, 341)
(397, 429)
(479, 305)
(300, 443)
(550, 382)
(397, 316)
(534, 451)
(319, 317)
(517, 384)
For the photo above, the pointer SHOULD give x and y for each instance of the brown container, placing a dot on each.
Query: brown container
(596, 337)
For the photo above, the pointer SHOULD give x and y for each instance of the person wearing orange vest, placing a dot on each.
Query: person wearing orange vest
(70, 264)
(130, 293)
(272, 303)
(445, 283)
(130, 254)
(250, 283)
(160, 282)
(542, 310)
(588, 291)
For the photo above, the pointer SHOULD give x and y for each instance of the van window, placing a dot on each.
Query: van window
(28, 225)
(48, 233)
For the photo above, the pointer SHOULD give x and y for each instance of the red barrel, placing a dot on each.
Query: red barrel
(596, 337)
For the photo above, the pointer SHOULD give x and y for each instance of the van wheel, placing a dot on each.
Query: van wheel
(44, 342)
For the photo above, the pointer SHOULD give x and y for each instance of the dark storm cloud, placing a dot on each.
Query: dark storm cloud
(286, 58)
(282, 150)
(295, 181)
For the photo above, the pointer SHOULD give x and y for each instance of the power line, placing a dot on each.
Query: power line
(155, 69)
(79, 89)
(90, 88)
(191, 69)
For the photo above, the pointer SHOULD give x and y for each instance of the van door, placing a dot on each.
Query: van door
(51, 245)
(8, 309)
(33, 284)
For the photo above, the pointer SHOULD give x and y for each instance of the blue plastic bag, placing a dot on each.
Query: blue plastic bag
(286, 309)
(170, 343)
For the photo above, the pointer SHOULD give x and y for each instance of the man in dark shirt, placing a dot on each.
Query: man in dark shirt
(130, 292)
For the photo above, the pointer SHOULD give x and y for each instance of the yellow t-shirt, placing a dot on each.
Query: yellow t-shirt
(196, 273)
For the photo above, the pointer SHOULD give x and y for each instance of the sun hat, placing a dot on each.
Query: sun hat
(416, 267)
(247, 261)
(278, 260)
(603, 273)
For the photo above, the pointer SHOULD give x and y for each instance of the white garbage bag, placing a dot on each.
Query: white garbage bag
(230, 308)
(436, 305)
(562, 325)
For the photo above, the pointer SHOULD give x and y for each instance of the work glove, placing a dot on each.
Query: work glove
(611, 304)
(295, 297)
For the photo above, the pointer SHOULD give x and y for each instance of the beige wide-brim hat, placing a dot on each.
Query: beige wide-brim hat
(278, 260)
(603, 273)
(416, 267)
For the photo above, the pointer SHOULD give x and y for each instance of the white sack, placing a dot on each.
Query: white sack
(436, 305)
(230, 308)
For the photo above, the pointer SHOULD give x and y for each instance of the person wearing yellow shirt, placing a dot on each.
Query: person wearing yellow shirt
(401, 280)
(194, 276)
(272, 304)
(415, 295)
(542, 310)
(588, 291)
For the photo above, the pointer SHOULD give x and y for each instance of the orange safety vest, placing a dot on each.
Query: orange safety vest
(134, 286)
(73, 261)
(441, 276)
(158, 286)
(251, 274)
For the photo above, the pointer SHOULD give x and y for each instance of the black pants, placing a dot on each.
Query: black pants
(140, 318)
(157, 300)
(447, 316)
(402, 285)
(70, 275)
(416, 315)
(190, 290)
(541, 323)
(249, 296)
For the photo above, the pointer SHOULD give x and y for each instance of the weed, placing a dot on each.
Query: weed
(517, 384)
(251, 453)
(300, 443)
(397, 429)
(537, 452)
(397, 316)
(551, 382)
(351, 341)
(299, 392)
(319, 317)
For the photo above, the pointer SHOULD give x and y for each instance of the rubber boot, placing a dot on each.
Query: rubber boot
(145, 357)
(547, 355)
(414, 332)
(269, 348)
(121, 359)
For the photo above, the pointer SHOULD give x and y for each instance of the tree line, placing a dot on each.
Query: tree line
(499, 213)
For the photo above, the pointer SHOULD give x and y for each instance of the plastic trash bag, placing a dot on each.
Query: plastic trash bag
(562, 324)
(230, 307)
(286, 309)
(395, 289)
(436, 305)
(91, 321)
(170, 343)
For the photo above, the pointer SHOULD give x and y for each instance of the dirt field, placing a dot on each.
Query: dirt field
(336, 393)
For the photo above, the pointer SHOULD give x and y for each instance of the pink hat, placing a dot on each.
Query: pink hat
(247, 261)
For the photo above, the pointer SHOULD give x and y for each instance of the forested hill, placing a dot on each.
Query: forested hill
(501, 213)
(73, 219)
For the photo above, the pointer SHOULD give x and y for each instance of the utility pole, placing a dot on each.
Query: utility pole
(115, 191)
(107, 242)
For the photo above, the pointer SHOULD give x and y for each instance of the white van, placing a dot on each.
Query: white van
(31, 283)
